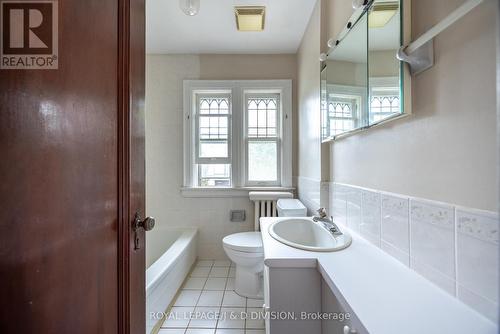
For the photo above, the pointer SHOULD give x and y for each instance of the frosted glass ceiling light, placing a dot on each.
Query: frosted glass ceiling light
(190, 7)
(382, 13)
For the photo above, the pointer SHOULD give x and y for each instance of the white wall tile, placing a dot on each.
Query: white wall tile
(477, 258)
(433, 241)
(369, 227)
(396, 253)
(309, 191)
(325, 195)
(338, 206)
(395, 223)
(435, 276)
(353, 208)
(480, 304)
(455, 248)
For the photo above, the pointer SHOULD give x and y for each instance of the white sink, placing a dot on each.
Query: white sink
(304, 233)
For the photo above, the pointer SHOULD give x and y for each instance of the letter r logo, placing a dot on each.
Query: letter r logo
(27, 27)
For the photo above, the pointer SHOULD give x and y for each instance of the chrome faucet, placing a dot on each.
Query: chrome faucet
(326, 222)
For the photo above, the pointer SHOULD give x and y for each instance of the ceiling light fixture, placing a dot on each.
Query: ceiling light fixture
(190, 7)
(250, 18)
(382, 13)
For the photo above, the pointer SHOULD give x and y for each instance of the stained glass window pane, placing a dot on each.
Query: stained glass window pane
(213, 122)
(383, 106)
(262, 117)
(341, 115)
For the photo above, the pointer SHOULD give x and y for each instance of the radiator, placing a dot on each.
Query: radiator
(265, 204)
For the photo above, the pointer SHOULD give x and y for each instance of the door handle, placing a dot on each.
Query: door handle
(147, 224)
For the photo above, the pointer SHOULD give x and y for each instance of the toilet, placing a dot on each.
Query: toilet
(245, 249)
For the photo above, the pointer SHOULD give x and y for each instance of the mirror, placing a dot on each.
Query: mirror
(361, 78)
(384, 69)
(346, 83)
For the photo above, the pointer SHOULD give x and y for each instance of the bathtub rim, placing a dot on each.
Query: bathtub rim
(170, 257)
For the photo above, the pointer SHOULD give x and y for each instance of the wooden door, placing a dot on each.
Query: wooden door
(72, 177)
(133, 172)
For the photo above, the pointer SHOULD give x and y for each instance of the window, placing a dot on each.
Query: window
(383, 106)
(342, 113)
(384, 98)
(213, 149)
(237, 134)
(262, 139)
(343, 108)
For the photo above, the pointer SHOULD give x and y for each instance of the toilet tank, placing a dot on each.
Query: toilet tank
(288, 207)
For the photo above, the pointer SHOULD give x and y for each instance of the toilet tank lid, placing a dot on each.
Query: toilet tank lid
(290, 204)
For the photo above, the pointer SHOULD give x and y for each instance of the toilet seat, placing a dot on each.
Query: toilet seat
(247, 242)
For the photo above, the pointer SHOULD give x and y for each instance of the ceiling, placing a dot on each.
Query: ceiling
(213, 30)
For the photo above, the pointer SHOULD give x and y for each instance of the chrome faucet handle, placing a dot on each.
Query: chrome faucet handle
(321, 212)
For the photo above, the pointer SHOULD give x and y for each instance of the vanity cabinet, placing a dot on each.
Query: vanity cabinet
(333, 305)
(388, 298)
(298, 301)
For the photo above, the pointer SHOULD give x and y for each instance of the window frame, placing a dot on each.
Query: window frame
(383, 87)
(354, 101)
(355, 93)
(237, 89)
(278, 139)
(197, 115)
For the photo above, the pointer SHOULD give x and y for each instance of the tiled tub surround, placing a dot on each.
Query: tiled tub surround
(454, 247)
(207, 304)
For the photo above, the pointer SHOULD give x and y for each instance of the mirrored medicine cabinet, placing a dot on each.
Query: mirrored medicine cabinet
(363, 84)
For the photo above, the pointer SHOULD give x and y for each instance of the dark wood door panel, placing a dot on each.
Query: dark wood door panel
(59, 182)
(137, 162)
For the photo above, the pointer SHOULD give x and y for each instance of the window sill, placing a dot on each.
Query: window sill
(221, 192)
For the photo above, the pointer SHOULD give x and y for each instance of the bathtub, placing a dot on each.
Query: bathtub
(170, 253)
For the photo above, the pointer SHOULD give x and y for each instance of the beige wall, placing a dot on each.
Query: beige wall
(383, 63)
(346, 73)
(308, 97)
(164, 146)
(308, 86)
(255, 67)
(446, 150)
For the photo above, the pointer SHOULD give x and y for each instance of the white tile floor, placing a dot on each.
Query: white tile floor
(207, 304)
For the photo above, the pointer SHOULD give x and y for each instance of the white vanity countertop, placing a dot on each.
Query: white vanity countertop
(386, 296)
